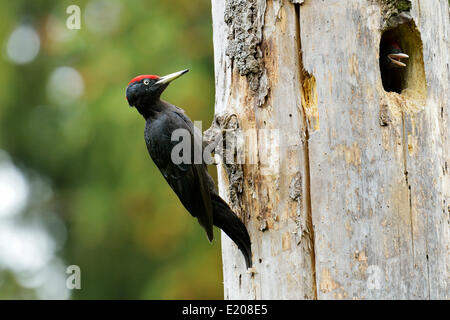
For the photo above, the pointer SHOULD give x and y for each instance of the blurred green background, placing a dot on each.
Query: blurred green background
(77, 186)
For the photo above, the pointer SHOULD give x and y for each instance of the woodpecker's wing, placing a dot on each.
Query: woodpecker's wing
(188, 180)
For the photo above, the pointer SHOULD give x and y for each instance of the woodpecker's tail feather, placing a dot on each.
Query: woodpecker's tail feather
(225, 219)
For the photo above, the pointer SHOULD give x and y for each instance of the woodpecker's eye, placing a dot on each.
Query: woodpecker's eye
(146, 82)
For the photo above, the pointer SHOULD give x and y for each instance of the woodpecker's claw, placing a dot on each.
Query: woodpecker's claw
(251, 271)
(396, 57)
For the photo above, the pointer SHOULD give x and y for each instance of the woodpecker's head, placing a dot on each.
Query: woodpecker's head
(146, 89)
(392, 55)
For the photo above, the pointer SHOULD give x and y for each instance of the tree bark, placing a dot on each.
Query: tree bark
(344, 187)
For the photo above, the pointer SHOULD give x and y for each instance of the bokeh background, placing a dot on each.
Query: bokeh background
(77, 186)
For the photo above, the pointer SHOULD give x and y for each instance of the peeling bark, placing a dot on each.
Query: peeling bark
(245, 20)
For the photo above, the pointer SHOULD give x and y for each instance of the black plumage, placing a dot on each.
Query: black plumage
(190, 181)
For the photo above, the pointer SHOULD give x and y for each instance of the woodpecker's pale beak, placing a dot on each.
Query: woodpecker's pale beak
(396, 57)
(170, 77)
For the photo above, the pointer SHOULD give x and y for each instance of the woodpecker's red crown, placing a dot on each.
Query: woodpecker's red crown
(395, 45)
(143, 76)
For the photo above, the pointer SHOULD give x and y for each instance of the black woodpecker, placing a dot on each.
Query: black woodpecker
(391, 65)
(190, 181)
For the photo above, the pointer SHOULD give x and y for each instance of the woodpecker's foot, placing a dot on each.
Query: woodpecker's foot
(215, 134)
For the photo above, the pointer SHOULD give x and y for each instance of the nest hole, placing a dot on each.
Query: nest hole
(410, 77)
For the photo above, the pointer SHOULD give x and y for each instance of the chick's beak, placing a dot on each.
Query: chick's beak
(170, 77)
(396, 57)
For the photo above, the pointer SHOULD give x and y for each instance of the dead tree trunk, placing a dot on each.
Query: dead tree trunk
(344, 187)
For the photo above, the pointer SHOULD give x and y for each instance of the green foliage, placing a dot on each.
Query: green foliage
(403, 5)
(393, 7)
(126, 229)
